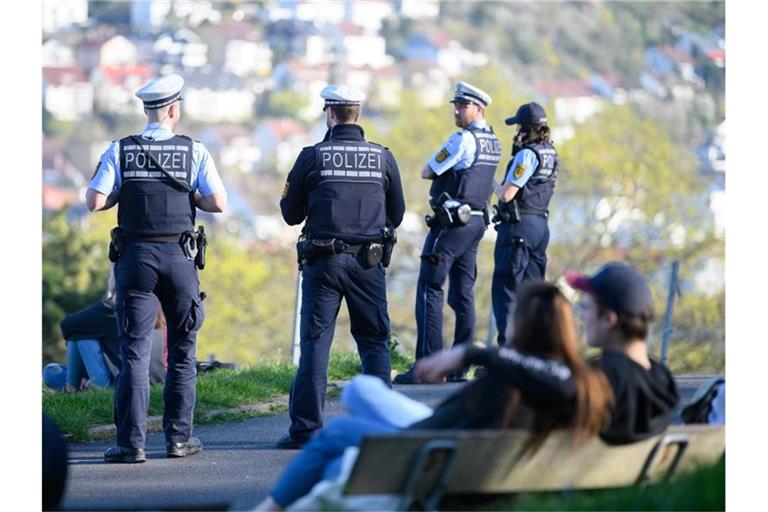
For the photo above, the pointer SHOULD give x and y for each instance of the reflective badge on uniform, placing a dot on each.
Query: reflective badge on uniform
(519, 170)
(285, 189)
(442, 155)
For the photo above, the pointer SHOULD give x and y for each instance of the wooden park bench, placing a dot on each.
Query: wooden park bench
(424, 466)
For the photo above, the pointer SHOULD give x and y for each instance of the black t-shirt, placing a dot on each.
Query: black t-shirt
(643, 399)
(544, 384)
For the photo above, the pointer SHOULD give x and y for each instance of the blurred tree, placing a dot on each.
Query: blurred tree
(75, 268)
(286, 103)
(249, 305)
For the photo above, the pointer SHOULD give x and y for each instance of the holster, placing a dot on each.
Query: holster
(193, 243)
(116, 244)
(390, 240)
(202, 243)
(507, 212)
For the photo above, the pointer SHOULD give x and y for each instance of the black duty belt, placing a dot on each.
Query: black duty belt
(139, 238)
(528, 211)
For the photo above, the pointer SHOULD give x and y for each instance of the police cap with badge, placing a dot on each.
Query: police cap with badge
(337, 95)
(161, 91)
(466, 93)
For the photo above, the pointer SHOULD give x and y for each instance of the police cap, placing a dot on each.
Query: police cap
(338, 94)
(530, 113)
(466, 93)
(161, 91)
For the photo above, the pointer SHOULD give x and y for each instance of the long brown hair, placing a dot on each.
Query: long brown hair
(545, 327)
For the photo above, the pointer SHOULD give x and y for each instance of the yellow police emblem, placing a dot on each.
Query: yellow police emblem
(442, 155)
(519, 170)
(285, 189)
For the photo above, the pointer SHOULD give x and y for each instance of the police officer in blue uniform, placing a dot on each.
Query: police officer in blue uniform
(158, 179)
(349, 192)
(522, 211)
(462, 180)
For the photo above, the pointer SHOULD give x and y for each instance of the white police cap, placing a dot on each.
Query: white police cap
(466, 93)
(161, 91)
(338, 94)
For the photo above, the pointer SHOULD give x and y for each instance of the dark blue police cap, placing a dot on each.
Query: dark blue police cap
(530, 113)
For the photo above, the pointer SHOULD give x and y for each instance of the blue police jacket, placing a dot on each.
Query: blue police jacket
(151, 203)
(472, 185)
(537, 192)
(345, 188)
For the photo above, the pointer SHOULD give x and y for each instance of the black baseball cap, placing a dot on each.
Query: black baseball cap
(617, 286)
(530, 113)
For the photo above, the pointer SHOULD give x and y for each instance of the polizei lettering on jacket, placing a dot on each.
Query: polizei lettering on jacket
(139, 164)
(351, 161)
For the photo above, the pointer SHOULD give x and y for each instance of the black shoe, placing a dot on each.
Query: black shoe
(408, 377)
(177, 450)
(457, 377)
(124, 455)
(290, 443)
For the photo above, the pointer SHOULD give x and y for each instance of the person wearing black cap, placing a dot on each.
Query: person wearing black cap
(462, 177)
(522, 211)
(349, 193)
(617, 311)
(159, 179)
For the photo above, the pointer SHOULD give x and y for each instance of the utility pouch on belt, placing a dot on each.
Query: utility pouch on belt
(116, 244)
(448, 212)
(315, 248)
(371, 254)
(390, 240)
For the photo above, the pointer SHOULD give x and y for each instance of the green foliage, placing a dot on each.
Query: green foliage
(74, 276)
(286, 103)
(703, 489)
(250, 303)
(625, 185)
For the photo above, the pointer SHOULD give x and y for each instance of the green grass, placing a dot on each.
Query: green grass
(700, 490)
(75, 413)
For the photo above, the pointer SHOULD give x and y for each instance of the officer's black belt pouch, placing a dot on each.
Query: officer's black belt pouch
(371, 254)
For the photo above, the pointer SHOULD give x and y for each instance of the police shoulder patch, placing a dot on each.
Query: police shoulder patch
(519, 170)
(442, 155)
(285, 189)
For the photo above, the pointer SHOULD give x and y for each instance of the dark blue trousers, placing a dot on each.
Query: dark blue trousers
(149, 272)
(520, 255)
(326, 281)
(448, 253)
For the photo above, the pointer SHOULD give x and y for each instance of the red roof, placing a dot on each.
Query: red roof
(283, 128)
(65, 75)
(231, 29)
(564, 88)
(118, 75)
(56, 198)
(676, 54)
(716, 54)
(350, 29)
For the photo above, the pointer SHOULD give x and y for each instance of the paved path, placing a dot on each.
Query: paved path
(235, 470)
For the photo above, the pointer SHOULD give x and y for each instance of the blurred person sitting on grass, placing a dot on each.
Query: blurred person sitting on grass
(538, 383)
(93, 354)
